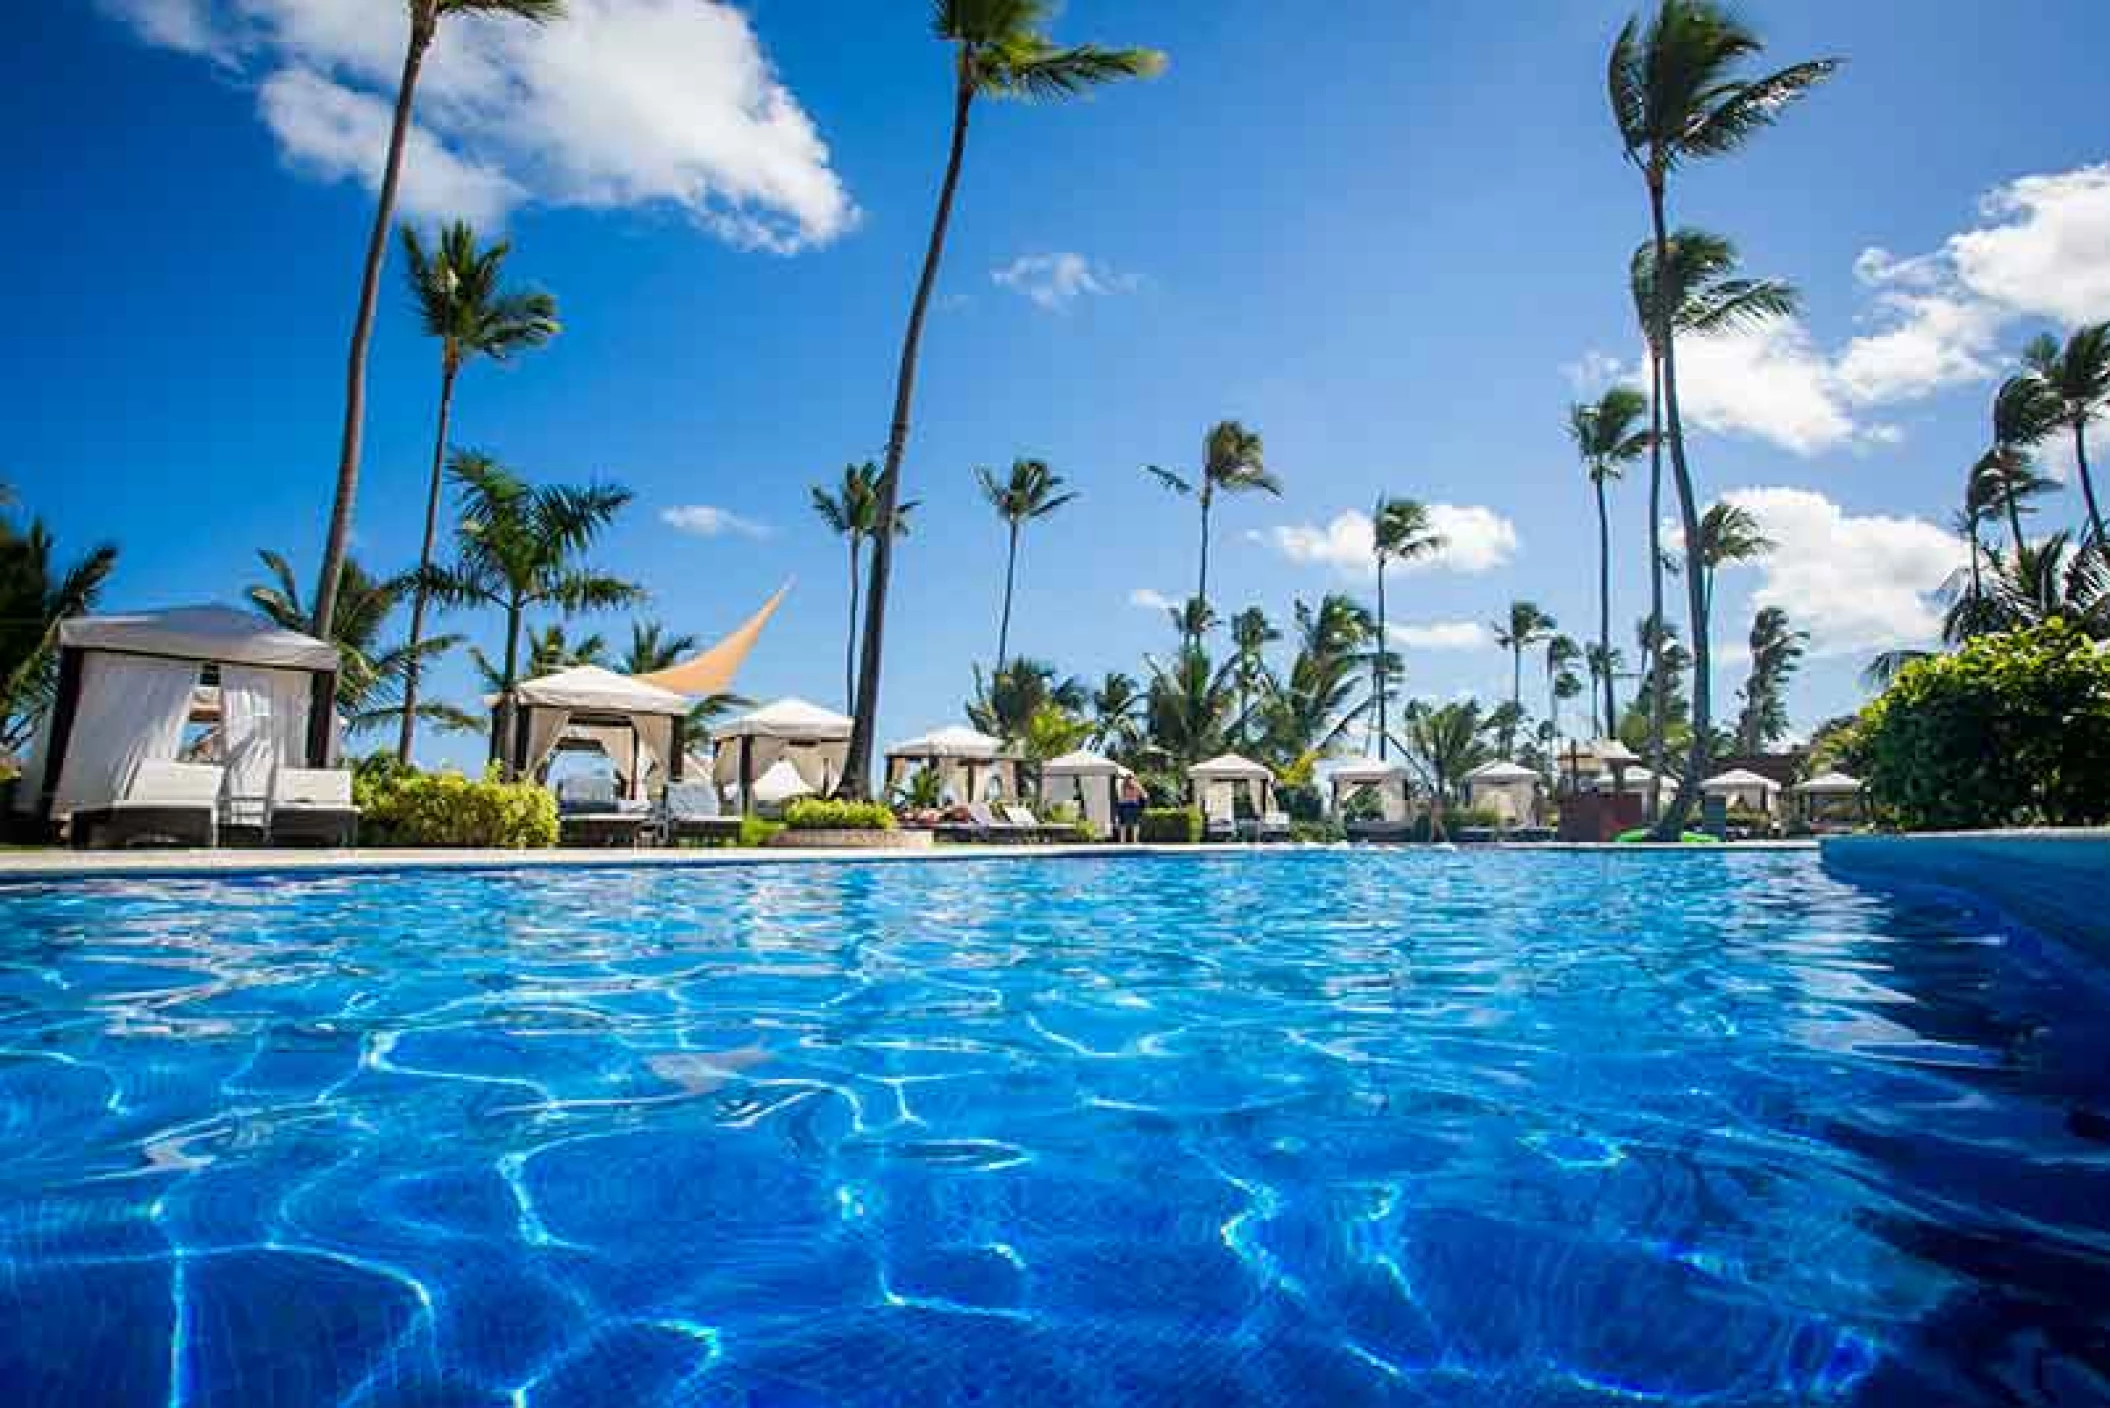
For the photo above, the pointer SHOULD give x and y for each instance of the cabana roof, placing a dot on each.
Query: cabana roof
(1739, 780)
(1369, 771)
(1501, 771)
(591, 689)
(1611, 752)
(1230, 768)
(792, 720)
(1830, 784)
(953, 741)
(1083, 763)
(217, 634)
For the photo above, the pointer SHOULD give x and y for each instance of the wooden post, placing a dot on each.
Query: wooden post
(678, 762)
(65, 706)
(747, 774)
(322, 712)
(517, 719)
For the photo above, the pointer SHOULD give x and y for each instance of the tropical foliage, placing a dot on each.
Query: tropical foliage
(852, 514)
(1776, 653)
(828, 814)
(400, 806)
(1032, 491)
(36, 595)
(1234, 461)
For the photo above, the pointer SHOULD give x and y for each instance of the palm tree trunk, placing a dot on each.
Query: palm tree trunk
(850, 641)
(2014, 521)
(502, 727)
(420, 596)
(1380, 659)
(1003, 630)
(1658, 718)
(2080, 455)
(1201, 590)
(1604, 589)
(856, 780)
(1977, 586)
(335, 546)
(1671, 825)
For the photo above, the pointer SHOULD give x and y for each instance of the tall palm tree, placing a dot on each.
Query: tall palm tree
(1000, 50)
(1607, 667)
(1116, 710)
(1562, 655)
(1776, 653)
(653, 647)
(460, 294)
(36, 596)
(1189, 705)
(1676, 96)
(852, 514)
(2075, 381)
(372, 674)
(518, 549)
(1728, 533)
(1193, 619)
(1400, 532)
(1703, 296)
(1524, 628)
(1234, 461)
(2008, 475)
(1447, 742)
(1251, 634)
(1608, 437)
(1033, 491)
(425, 18)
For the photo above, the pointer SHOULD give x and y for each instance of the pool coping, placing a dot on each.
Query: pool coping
(56, 865)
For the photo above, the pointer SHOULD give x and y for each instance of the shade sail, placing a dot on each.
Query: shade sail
(793, 720)
(217, 634)
(591, 689)
(713, 671)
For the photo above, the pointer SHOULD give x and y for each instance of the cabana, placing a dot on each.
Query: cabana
(1509, 790)
(1740, 787)
(1216, 783)
(970, 765)
(779, 786)
(1094, 781)
(640, 727)
(1384, 782)
(1830, 800)
(128, 685)
(812, 739)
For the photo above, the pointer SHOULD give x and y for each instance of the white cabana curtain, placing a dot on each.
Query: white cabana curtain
(622, 748)
(546, 728)
(264, 725)
(655, 745)
(132, 710)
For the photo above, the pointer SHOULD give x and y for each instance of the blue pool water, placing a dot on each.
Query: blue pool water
(1305, 1128)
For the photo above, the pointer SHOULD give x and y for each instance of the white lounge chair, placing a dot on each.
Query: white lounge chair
(589, 814)
(1274, 826)
(690, 811)
(311, 805)
(169, 804)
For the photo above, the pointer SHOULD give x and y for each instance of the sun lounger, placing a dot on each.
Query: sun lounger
(1274, 826)
(169, 804)
(984, 826)
(1220, 826)
(689, 811)
(311, 805)
(1034, 829)
(589, 815)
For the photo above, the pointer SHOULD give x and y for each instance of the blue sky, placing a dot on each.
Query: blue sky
(1394, 243)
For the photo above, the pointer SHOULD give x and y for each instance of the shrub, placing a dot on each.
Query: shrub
(827, 814)
(2010, 730)
(1176, 825)
(1322, 831)
(403, 807)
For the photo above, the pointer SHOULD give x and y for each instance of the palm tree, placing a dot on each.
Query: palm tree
(1234, 461)
(518, 547)
(372, 676)
(1030, 493)
(1676, 96)
(460, 295)
(549, 650)
(1776, 653)
(2029, 587)
(1526, 626)
(852, 514)
(1447, 742)
(1608, 438)
(1007, 701)
(1562, 654)
(1316, 704)
(1193, 620)
(35, 598)
(1400, 531)
(1728, 534)
(1251, 634)
(2008, 475)
(1189, 705)
(1000, 49)
(1703, 296)
(1604, 666)
(2024, 414)
(1116, 709)
(654, 648)
(425, 17)
(2075, 383)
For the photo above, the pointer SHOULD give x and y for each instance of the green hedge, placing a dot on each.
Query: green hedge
(399, 807)
(1175, 825)
(2010, 730)
(825, 814)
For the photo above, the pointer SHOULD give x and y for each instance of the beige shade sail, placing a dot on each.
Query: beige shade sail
(712, 672)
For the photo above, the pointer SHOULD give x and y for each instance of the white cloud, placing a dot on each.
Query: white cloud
(1054, 281)
(1443, 635)
(707, 521)
(1475, 539)
(2043, 251)
(1152, 600)
(1594, 372)
(623, 103)
(1854, 583)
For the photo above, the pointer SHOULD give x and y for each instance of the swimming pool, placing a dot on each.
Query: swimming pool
(1296, 1128)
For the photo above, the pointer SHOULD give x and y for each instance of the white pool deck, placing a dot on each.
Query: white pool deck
(59, 864)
